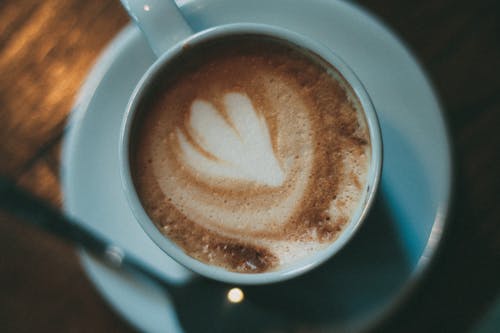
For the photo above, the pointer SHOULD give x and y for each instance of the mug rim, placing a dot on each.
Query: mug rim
(301, 266)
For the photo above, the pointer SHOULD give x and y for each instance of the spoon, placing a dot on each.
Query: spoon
(202, 305)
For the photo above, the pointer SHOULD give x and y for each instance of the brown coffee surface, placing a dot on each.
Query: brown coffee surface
(250, 154)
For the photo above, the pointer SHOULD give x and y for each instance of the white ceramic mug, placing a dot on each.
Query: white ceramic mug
(168, 33)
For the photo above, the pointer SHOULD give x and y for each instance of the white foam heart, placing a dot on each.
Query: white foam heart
(242, 147)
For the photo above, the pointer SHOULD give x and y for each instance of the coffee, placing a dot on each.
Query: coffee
(250, 154)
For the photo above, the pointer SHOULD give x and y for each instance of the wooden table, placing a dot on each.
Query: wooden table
(46, 50)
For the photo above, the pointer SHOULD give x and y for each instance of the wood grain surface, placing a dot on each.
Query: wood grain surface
(47, 49)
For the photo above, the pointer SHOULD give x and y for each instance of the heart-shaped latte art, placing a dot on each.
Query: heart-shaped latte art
(236, 144)
(235, 164)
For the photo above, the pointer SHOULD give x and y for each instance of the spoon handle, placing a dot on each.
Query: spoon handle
(35, 211)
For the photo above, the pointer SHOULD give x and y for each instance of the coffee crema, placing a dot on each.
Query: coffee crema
(250, 154)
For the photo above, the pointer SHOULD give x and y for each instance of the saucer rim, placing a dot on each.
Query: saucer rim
(439, 226)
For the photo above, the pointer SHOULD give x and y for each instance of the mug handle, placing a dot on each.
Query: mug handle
(160, 21)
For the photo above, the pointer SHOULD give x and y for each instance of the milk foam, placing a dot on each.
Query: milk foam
(238, 147)
(253, 159)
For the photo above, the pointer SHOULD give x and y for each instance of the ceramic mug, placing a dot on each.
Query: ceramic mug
(168, 33)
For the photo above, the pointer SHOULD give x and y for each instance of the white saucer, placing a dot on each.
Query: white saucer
(378, 268)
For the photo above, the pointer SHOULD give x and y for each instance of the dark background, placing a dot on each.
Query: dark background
(46, 50)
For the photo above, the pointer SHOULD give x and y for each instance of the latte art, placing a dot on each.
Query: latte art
(251, 155)
(235, 144)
